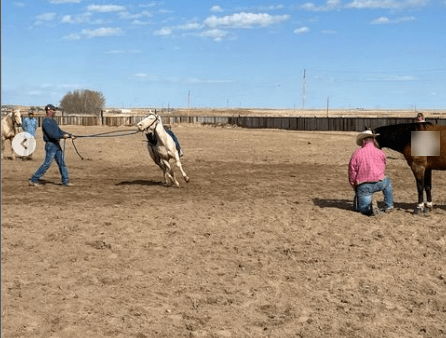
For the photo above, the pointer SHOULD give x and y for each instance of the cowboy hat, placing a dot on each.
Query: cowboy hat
(363, 135)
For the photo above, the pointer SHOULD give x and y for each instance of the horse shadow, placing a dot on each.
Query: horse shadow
(141, 182)
(345, 204)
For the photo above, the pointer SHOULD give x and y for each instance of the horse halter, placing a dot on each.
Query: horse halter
(154, 121)
(15, 120)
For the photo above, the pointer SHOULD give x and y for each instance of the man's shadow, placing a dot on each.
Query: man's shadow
(345, 204)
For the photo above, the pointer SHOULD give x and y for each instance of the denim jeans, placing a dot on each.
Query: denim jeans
(174, 137)
(365, 191)
(53, 152)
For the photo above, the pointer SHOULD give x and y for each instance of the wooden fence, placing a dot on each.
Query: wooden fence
(288, 123)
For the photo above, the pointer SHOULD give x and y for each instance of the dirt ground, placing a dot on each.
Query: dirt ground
(262, 242)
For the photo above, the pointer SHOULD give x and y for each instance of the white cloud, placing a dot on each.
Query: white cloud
(19, 4)
(216, 9)
(165, 11)
(393, 78)
(46, 17)
(245, 20)
(72, 37)
(189, 26)
(86, 17)
(101, 32)
(216, 34)
(270, 8)
(34, 93)
(383, 20)
(142, 75)
(200, 81)
(152, 4)
(330, 5)
(121, 52)
(329, 31)
(402, 78)
(127, 15)
(164, 31)
(301, 30)
(105, 8)
(65, 1)
(115, 52)
(140, 23)
(386, 4)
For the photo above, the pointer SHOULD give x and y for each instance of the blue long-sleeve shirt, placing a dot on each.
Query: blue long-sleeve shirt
(29, 125)
(51, 131)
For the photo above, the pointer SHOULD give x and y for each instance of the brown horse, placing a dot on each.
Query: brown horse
(398, 137)
(9, 130)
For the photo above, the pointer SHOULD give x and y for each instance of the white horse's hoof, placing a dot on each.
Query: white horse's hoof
(187, 179)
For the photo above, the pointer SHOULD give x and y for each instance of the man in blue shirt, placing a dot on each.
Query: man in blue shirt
(29, 125)
(52, 134)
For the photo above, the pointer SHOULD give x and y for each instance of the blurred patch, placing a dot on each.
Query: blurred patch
(425, 143)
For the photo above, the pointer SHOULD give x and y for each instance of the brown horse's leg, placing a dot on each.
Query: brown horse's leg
(428, 187)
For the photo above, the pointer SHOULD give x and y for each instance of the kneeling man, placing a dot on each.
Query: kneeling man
(366, 174)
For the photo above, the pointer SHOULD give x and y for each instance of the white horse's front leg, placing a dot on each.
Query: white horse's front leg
(180, 166)
(12, 150)
(169, 173)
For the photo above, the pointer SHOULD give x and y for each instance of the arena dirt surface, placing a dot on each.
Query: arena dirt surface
(261, 243)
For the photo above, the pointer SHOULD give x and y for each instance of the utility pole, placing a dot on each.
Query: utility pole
(304, 90)
(188, 100)
(328, 100)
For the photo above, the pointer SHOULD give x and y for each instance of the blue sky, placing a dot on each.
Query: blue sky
(356, 53)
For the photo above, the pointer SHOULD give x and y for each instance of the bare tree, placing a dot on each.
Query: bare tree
(83, 102)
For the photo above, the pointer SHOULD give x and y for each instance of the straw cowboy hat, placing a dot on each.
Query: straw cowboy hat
(363, 135)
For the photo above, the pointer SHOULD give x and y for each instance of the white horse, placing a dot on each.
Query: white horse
(9, 130)
(161, 147)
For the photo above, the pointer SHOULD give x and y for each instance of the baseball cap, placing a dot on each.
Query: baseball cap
(50, 106)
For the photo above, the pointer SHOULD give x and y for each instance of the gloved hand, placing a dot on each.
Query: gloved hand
(73, 136)
(65, 136)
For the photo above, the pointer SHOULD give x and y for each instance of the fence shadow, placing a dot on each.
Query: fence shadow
(141, 182)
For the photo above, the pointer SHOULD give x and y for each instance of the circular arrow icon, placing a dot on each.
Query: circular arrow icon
(24, 144)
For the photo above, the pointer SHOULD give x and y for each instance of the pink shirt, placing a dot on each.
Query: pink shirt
(368, 164)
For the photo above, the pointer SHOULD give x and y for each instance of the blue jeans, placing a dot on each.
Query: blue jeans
(53, 152)
(365, 191)
(175, 139)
